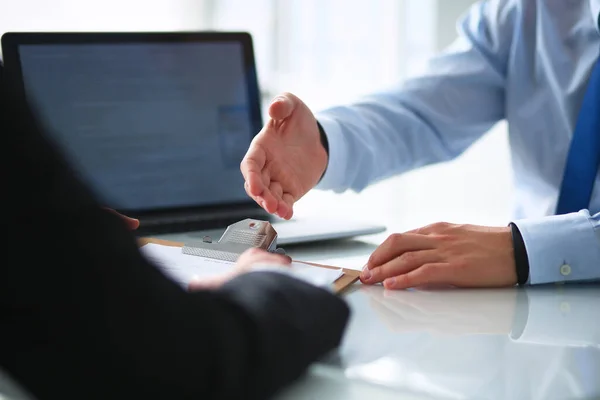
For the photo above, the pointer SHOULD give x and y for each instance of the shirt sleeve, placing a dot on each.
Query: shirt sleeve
(562, 248)
(427, 119)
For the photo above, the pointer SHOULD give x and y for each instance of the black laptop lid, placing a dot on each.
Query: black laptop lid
(157, 123)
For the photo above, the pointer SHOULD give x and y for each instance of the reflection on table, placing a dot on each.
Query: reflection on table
(531, 343)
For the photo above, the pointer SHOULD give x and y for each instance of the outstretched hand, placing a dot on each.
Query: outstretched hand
(286, 158)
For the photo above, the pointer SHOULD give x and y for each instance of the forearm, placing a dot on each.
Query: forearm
(375, 139)
(428, 119)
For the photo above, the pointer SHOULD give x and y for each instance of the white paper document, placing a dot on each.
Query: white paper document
(354, 262)
(183, 267)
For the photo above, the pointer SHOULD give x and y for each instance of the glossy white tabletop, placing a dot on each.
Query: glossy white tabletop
(518, 343)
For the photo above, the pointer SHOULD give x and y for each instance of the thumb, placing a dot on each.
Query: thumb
(283, 106)
(209, 283)
(132, 223)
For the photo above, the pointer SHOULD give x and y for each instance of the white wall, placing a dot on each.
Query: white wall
(475, 188)
(100, 15)
(447, 13)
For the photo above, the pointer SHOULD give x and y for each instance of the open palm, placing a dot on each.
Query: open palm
(286, 158)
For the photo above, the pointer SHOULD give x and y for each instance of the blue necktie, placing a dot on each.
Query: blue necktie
(584, 154)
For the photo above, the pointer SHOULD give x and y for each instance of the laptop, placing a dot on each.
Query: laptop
(157, 124)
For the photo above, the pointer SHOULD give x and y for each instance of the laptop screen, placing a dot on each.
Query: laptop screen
(149, 125)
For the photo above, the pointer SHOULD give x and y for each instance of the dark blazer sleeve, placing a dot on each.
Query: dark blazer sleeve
(85, 316)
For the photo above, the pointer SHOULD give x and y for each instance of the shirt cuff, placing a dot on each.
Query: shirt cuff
(561, 248)
(333, 177)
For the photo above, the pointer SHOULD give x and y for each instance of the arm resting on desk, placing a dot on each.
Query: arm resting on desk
(84, 315)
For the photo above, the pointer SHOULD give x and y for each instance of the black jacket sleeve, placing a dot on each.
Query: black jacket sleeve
(85, 316)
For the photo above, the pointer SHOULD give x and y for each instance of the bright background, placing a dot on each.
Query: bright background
(327, 52)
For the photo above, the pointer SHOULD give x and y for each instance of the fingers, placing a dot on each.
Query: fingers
(282, 106)
(132, 223)
(257, 178)
(428, 274)
(251, 167)
(400, 265)
(246, 260)
(268, 199)
(288, 206)
(397, 244)
(277, 191)
(275, 201)
(209, 283)
(258, 256)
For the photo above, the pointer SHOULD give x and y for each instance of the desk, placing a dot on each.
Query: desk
(532, 343)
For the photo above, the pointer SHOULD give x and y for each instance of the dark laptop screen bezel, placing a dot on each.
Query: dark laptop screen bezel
(13, 71)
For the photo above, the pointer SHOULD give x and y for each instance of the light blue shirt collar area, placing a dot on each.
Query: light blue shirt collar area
(595, 7)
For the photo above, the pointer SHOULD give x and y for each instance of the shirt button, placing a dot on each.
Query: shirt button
(565, 270)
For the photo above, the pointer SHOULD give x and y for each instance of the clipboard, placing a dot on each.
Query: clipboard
(341, 284)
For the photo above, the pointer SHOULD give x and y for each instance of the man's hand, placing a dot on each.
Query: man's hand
(286, 158)
(245, 262)
(444, 254)
(131, 223)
